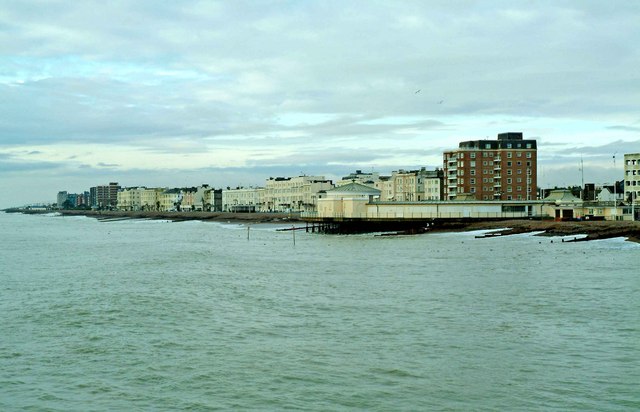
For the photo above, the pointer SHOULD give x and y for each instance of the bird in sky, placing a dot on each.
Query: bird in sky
(441, 101)
(417, 91)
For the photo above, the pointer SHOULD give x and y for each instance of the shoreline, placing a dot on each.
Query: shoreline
(173, 216)
(593, 230)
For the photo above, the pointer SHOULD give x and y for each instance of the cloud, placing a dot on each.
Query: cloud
(176, 82)
(633, 129)
(11, 165)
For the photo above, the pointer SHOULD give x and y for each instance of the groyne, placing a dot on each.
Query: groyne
(593, 230)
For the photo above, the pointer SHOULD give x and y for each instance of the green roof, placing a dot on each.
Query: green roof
(354, 187)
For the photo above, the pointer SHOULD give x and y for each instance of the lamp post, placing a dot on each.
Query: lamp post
(615, 197)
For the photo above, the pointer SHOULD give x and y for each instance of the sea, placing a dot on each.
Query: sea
(152, 315)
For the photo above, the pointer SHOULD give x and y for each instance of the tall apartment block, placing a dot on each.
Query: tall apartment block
(105, 196)
(502, 169)
(632, 177)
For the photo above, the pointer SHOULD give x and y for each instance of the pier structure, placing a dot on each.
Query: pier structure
(417, 217)
(356, 208)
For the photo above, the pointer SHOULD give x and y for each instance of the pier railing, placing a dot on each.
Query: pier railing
(421, 216)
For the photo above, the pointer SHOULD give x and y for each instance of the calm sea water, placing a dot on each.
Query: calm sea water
(151, 315)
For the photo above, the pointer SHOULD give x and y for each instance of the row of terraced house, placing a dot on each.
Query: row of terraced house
(503, 169)
(279, 194)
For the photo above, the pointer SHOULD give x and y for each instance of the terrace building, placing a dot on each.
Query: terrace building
(242, 199)
(294, 194)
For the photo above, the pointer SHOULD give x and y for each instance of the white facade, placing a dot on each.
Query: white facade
(416, 185)
(632, 177)
(294, 194)
(242, 199)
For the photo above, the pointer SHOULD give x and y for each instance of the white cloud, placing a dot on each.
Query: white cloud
(162, 85)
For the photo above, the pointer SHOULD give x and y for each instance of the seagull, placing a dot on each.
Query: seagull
(441, 101)
(417, 91)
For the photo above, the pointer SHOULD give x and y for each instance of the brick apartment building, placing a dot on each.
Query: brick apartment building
(502, 169)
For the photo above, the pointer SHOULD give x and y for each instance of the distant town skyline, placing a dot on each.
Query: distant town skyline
(230, 93)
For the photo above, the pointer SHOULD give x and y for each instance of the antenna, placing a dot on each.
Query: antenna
(582, 172)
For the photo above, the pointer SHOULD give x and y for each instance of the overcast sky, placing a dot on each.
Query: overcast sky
(177, 93)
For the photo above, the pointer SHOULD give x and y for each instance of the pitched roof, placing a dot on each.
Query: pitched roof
(354, 188)
(562, 196)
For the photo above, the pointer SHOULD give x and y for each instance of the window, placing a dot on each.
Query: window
(529, 164)
(528, 155)
(487, 145)
(485, 163)
(519, 163)
(509, 155)
(509, 189)
(528, 145)
(485, 154)
(508, 180)
(472, 172)
(509, 172)
(519, 171)
(519, 154)
(509, 164)
(519, 188)
(473, 163)
(472, 181)
(509, 145)
(473, 155)
(473, 190)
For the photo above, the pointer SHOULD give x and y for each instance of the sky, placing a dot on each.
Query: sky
(229, 93)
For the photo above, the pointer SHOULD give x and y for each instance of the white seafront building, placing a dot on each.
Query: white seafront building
(243, 199)
(402, 185)
(294, 194)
